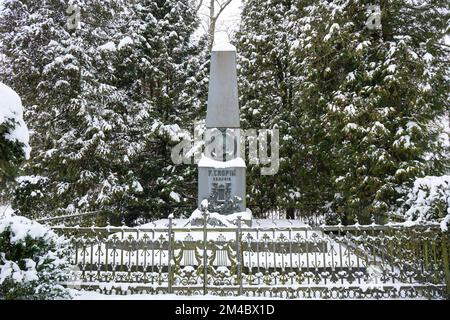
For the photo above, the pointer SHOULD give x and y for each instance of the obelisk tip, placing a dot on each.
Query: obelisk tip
(222, 42)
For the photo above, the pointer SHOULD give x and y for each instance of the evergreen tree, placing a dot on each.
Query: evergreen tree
(267, 75)
(14, 136)
(33, 261)
(72, 106)
(357, 108)
(378, 93)
(165, 70)
(105, 97)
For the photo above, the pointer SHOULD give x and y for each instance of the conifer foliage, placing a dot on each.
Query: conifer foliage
(356, 88)
(14, 135)
(33, 261)
(365, 101)
(102, 99)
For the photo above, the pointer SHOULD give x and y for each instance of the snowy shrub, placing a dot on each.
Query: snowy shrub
(332, 218)
(429, 199)
(28, 194)
(32, 262)
(14, 135)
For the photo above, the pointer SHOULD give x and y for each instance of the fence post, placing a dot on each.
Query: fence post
(169, 261)
(445, 258)
(238, 255)
(205, 249)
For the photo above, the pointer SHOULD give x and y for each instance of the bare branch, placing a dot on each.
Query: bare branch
(214, 17)
(204, 27)
(203, 14)
(199, 5)
(222, 7)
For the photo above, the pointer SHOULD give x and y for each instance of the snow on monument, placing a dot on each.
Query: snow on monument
(221, 170)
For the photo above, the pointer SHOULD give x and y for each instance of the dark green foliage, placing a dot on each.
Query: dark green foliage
(105, 103)
(358, 109)
(37, 262)
(11, 153)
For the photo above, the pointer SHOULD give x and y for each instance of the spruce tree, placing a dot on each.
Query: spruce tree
(103, 104)
(165, 70)
(376, 95)
(357, 107)
(264, 88)
(78, 116)
(268, 73)
(14, 136)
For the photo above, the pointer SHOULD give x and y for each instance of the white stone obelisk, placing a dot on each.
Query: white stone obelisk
(223, 105)
(221, 172)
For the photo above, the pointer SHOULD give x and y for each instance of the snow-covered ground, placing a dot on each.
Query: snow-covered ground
(5, 210)
(92, 295)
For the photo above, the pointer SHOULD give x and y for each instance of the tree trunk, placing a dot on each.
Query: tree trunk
(212, 25)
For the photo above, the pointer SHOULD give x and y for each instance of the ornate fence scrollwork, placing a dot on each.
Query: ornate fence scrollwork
(293, 261)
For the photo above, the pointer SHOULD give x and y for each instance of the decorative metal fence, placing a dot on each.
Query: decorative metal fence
(279, 259)
(71, 219)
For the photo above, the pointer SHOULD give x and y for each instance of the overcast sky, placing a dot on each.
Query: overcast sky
(228, 20)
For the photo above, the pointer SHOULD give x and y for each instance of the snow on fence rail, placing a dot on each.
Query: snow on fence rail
(281, 260)
(87, 218)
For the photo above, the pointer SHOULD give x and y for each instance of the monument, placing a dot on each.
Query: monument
(221, 170)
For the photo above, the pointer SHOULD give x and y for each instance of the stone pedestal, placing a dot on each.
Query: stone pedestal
(220, 182)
